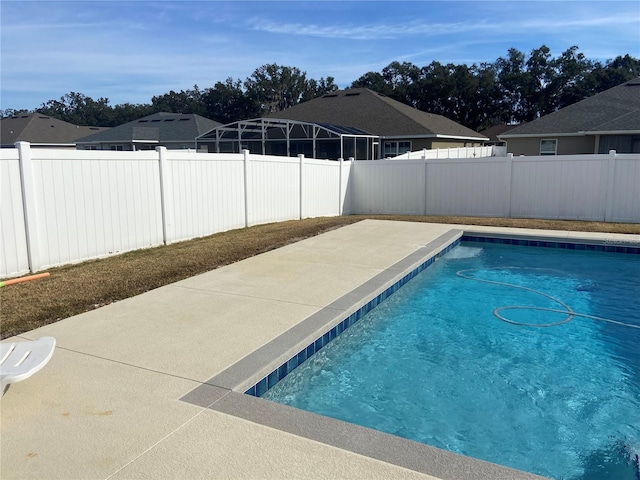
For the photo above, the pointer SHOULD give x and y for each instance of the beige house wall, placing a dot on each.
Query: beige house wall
(455, 143)
(530, 146)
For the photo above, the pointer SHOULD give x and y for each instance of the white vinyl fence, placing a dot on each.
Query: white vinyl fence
(455, 152)
(64, 206)
(572, 187)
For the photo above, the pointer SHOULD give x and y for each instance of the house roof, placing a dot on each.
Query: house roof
(616, 110)
(41, 129)
(494, 131)
(159, 127)
(376, 114)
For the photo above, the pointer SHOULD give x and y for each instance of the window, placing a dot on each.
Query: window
(548, 146)
(117, 148)
(619, 143)
(393, 149)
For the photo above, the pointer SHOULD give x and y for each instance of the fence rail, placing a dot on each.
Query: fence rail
(64, 206)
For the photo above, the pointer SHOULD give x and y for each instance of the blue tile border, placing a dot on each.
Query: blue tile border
(611, 247)
(270, 380)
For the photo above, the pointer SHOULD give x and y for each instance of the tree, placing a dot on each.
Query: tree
(373, 81)
(79, 109)
(226, 102)
(401, 77)
(276, 88)
(127, 112)
(614, 72)
(434, 89)
(12, 112)
(184, 101)
(317, 88)
(510, 78)
(571, 70)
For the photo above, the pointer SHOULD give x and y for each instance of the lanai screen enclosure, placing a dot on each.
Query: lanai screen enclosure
(268, 136)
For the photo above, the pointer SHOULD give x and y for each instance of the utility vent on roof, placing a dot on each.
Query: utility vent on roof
(169, 119)
(156, 120)
(633, 83)
(329, 95)
(184, 119)
(352, 94)
(143, 121)
(46, 118)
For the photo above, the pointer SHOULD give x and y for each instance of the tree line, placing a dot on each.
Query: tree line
(518, 87)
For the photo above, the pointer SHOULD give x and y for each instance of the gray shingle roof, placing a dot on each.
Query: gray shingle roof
(162, 127)
(41, 129)
(496, 130)
(374, 113)
(614, 110)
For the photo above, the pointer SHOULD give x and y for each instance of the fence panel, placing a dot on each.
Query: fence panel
(274, 189)
(626, 189)
(93, 204)
(206, 192)
(13, 235)
(455, 152)
(388, 186)
(346, 188)
(568, 187)
(320, 188)
(467, 187)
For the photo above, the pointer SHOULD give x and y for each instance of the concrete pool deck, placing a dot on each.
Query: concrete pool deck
(131, 392)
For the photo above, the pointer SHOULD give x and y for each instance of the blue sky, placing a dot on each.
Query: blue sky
(131, 51)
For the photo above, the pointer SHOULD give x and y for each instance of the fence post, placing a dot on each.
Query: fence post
(508, 176)
(301, 159)
(246, 187)
(29, 206)
(166, 200)
(424, 187)
(611, 173)
(352, 172)
(340, 174)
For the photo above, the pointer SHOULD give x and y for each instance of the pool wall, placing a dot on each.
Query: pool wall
(589, 246)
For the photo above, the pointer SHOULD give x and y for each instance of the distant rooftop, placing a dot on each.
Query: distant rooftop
(160, 127)
(376, 114)
(41, 129)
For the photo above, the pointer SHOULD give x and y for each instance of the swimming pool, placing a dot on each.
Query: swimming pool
(521, 394)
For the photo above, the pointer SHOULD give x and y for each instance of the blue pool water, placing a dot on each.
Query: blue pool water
(432, 363)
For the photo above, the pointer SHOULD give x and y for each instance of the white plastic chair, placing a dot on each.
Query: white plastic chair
(20, 360)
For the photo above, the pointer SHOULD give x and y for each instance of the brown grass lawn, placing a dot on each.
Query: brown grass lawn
(74, 289)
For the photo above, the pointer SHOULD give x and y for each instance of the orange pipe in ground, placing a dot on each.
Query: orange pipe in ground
(23, 279)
